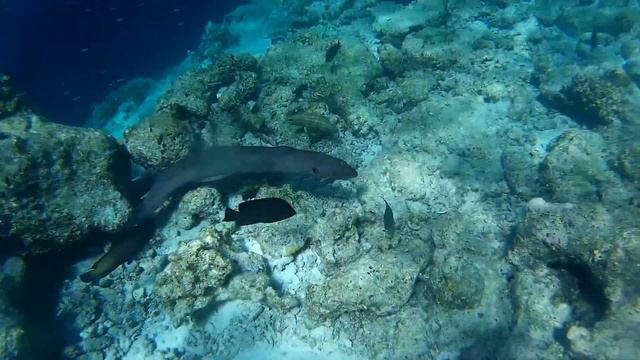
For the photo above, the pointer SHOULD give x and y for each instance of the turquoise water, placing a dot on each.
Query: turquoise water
(493, 214)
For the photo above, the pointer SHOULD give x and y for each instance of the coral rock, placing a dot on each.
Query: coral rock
(589, 100)
(380, 283)
(575, 170)
(456, 284)
(189, 280)
(159, 140)
(58, 183)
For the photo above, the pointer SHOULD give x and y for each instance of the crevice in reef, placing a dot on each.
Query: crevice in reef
(37, 303)
(38, 297)
(584, 291)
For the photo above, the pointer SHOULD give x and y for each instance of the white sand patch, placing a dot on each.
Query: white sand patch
(172, 338)
(227, 312)
(253, 246)
(294, 277)
(293, 349)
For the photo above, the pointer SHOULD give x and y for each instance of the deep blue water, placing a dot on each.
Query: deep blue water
(68, 54)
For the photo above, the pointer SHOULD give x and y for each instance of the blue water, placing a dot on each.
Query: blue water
(67, 55)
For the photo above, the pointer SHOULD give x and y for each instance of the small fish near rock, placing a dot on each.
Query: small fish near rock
(267, 210)
(389, 221)
(332, 51)
(317, 126)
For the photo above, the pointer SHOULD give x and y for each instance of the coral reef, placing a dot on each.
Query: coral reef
(576, 170)
(396, 21)
(190, 278)
(538, 317)
(420, 50)
(10, 102)
(632, 68)
(300, 77)
(190, 94)
(588, 100)
(58, 183)
(553, 232)
(229, 82)
(502, 135)
(612, 338)
(590, 251)
(521, 170)
(630, 51)
(630, 162)
(614, 21)
(239, 91)
(456, 284)
(201, 204)
(380, 283)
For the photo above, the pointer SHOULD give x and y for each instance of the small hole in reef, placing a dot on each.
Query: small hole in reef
(591, 303)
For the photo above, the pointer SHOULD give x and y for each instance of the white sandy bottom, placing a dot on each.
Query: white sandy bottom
(293, 349)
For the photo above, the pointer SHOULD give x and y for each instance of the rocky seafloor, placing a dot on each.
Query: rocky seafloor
(504, 135)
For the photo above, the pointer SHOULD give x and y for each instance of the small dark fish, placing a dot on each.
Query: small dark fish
(265, 210)
(593, 41)
(122, 250)
(389, 222)
(29, 124)
(332, 51)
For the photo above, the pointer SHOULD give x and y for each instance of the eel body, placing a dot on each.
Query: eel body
(219, 162)
(131, 242)
(211, 164)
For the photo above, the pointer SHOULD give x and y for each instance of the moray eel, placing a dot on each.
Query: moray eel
(212, 164)
(133, 240)
(220, 162)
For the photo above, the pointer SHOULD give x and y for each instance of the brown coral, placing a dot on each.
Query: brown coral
(589, 100)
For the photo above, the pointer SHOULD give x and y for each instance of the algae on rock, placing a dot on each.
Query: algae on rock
(629, 161)
(59, 183)
(456, 283)
(192, 94)
(236, 94)
(588, 100)
(576, 170)
(160, 140)
(200, 204)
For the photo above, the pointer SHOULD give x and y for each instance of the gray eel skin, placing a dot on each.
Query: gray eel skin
(121, 250)
(218, 162)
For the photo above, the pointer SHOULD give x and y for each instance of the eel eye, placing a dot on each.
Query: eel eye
(315, 170)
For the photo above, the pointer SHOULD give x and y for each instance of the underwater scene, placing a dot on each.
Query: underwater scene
(320, 179)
